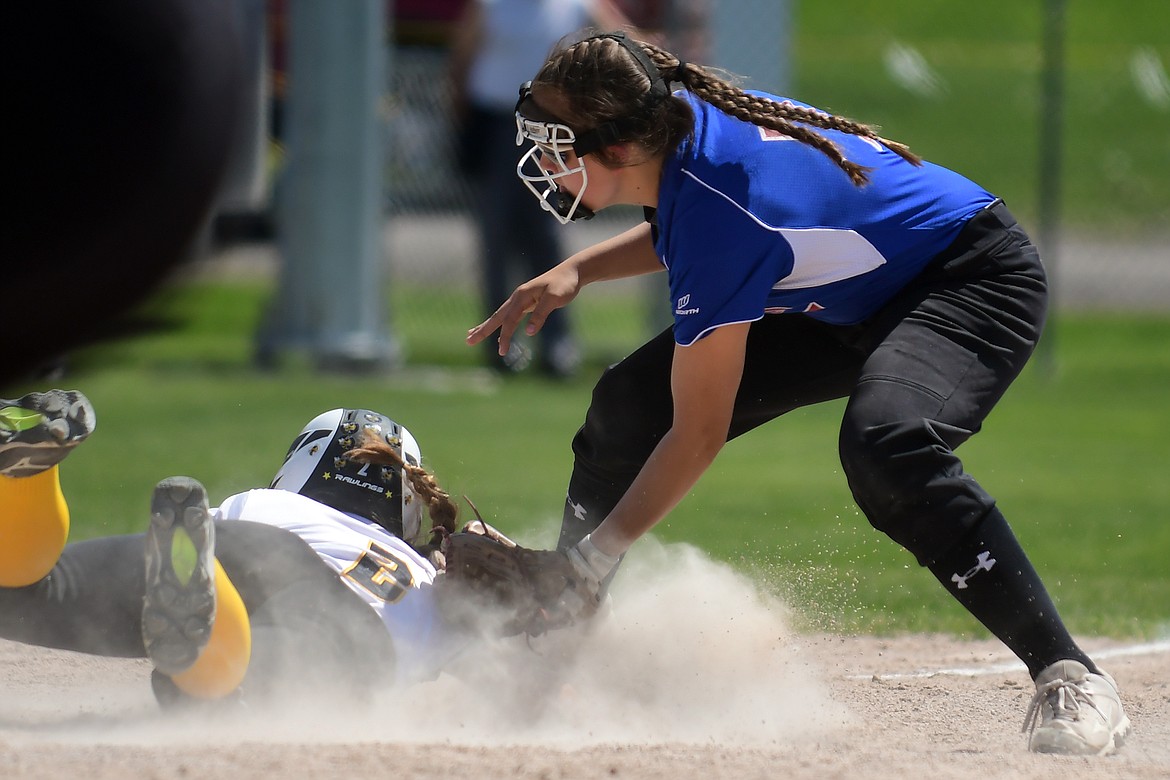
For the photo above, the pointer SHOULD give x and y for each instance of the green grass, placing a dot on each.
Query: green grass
(985, 124)
(1076, 456)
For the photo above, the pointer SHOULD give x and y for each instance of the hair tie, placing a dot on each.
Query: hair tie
(680, 71)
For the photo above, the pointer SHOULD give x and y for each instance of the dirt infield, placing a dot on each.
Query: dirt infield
(694, 674)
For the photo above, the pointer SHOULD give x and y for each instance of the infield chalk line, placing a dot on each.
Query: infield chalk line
(1148, 648)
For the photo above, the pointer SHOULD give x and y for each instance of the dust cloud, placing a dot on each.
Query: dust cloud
(689, 651)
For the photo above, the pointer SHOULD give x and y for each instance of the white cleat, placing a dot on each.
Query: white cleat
(1075, 712)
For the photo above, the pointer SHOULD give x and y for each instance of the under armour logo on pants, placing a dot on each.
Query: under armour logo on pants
(983, 563)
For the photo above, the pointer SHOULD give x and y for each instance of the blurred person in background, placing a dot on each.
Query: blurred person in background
(496, 45)
(683, 26)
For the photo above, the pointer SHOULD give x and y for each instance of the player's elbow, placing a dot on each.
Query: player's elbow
(702, 439)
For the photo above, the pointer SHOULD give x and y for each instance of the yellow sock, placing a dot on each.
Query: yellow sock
(220, 668)
(34, 525)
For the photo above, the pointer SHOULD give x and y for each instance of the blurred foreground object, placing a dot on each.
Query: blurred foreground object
(120, 120)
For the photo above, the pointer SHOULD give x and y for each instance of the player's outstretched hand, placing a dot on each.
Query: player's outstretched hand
(536, 298)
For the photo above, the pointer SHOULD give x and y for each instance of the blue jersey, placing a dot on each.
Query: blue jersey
(751, 223)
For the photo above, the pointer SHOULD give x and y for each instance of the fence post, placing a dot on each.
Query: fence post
(1051, 150)
(331, 296)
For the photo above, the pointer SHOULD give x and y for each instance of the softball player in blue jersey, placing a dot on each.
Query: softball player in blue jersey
(808, 259)
(321, 585)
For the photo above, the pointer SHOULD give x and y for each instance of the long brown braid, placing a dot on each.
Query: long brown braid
(441, 509)
(601, 81)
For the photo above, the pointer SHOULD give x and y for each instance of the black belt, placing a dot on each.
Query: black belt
(996, 210)
(973, 237)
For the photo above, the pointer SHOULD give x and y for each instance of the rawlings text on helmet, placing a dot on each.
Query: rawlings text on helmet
(316, 467)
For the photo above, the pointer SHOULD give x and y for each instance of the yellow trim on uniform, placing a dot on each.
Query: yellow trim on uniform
(221, 667)
(34, 526)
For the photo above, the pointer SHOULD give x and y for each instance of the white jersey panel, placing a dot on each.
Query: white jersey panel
(822, 256)
(383, 570)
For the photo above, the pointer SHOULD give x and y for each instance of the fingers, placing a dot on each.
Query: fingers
(505, 319)
(483, 329)
(536, 298)
(486, 328)
(536, 320)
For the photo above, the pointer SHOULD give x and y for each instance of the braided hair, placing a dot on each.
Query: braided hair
(599, 80)
(441, 509)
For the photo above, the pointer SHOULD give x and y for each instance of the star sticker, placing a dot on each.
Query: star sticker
(326, 475)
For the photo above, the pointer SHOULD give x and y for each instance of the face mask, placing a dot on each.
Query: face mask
(546, 161)
(551, 138)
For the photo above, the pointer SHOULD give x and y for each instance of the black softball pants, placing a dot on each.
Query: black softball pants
(311, 635)
(920, 376)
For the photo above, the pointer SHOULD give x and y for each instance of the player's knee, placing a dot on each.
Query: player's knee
(623, 424)
(615, 397)
(875, 461)
(627, 412)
